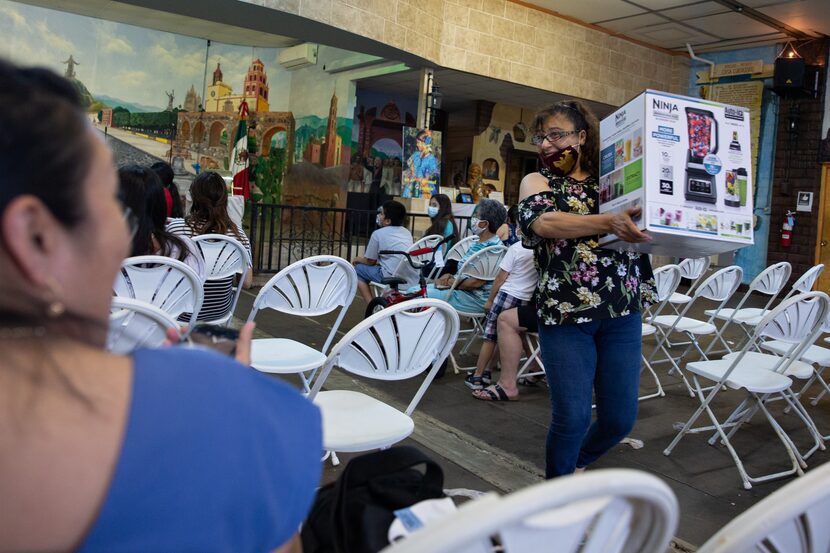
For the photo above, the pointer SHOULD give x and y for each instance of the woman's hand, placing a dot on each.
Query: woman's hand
(488, 305)
(623, 226)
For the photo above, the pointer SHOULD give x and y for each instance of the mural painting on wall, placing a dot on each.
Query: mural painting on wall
(158, 84)
(422, 172)
(377, 164)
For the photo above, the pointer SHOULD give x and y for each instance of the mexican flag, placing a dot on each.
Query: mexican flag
(239, 165)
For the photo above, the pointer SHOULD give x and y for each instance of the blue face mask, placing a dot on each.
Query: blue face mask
(432, 211)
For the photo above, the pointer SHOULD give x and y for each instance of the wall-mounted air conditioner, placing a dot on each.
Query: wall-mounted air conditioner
(299, 56)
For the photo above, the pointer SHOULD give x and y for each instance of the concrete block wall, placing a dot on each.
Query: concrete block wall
(505, 40)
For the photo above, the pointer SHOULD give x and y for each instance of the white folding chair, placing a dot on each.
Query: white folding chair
(167, 283)
(137, 324)
(400, 342)
(311, 287)
(796, 321)
(803, 285)
(792, 519)
(482, 265)
(769, 282)
(693, 270)
(666, 279)
(815, 355)
(613, 510)
(429, 241)
(719, 287)
(534, 355)
(455, 253)
(226, 260)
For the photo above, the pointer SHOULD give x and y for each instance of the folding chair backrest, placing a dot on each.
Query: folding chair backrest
(137, 324)
(718, 287)
(769, 282)
(164, 282)
(396, 343)
(429, 241)
(667, 279)
(484, 264)
(460, 248)
(806, 281)
(693, 269)
(310, 287)
(613, 510)
(793, 518)
(772, 279)
(225, 257)
(795, 319)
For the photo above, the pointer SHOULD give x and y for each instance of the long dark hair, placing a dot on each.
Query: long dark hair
(439, 222)
(209, 212)
(141, 190)
(583, 119)
(165, 173)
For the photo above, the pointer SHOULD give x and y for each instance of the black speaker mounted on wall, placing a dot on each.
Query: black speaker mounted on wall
(793, 77)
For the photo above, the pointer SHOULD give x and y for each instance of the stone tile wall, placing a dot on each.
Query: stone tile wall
(505, 40)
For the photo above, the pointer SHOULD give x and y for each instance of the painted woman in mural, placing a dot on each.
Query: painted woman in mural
(422, 167)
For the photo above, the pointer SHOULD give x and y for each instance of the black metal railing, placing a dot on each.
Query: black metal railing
(283, 234)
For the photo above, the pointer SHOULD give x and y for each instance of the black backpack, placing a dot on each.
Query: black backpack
(353, 514)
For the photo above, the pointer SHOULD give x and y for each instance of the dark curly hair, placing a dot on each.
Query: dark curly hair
(583, 119)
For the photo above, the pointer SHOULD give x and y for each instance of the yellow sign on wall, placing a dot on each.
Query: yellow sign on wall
(748, 95)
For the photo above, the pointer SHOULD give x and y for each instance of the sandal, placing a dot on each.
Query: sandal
(494, 393)
(478, 382)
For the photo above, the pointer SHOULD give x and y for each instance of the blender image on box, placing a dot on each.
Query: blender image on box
(703, 140)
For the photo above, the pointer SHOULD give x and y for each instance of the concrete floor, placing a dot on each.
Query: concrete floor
(500, 446)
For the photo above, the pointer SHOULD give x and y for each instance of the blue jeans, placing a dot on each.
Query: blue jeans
(603, 356)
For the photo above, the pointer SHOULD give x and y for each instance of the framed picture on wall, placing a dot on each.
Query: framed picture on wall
(490, 169)
(458, 172)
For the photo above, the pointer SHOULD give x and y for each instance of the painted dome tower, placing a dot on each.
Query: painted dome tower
(256, 86)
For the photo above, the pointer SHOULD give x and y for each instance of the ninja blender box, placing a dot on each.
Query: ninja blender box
(687, 163)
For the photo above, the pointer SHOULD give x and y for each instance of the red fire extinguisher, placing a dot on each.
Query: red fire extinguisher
(787, 230)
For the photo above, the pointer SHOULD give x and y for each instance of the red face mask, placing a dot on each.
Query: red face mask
(561, 162)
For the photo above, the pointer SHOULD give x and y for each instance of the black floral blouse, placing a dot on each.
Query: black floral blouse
(578, 281)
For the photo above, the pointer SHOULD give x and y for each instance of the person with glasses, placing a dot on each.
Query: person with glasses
(588, 300)
(143, 194)
(173, 449)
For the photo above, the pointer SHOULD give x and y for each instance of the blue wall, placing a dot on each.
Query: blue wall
(752, 259)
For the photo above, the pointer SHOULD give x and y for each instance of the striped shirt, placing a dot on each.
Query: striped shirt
(219, 293)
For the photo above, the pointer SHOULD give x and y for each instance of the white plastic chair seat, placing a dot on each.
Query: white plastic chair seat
(648, 329)
(814, 354)
(353, 421)
(685, 324)
(746, 375)
(677, 297)
(798, 369)
(745, 314)
(284, 356)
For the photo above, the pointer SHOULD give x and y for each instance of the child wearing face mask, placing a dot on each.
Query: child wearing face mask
(374, 267)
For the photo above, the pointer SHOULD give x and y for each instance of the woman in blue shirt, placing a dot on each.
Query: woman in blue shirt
(167, 450)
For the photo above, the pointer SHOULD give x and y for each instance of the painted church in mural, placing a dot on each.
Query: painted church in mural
(202, 135)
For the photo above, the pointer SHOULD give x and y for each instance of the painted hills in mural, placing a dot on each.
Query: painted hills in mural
(133, 107)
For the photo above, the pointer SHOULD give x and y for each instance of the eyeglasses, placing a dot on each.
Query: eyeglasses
(553, 136)
(131, 221)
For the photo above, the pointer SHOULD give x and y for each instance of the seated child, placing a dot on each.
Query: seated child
(513, 286)
(373, 267)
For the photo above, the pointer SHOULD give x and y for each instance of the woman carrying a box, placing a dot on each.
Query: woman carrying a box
(588, 300)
